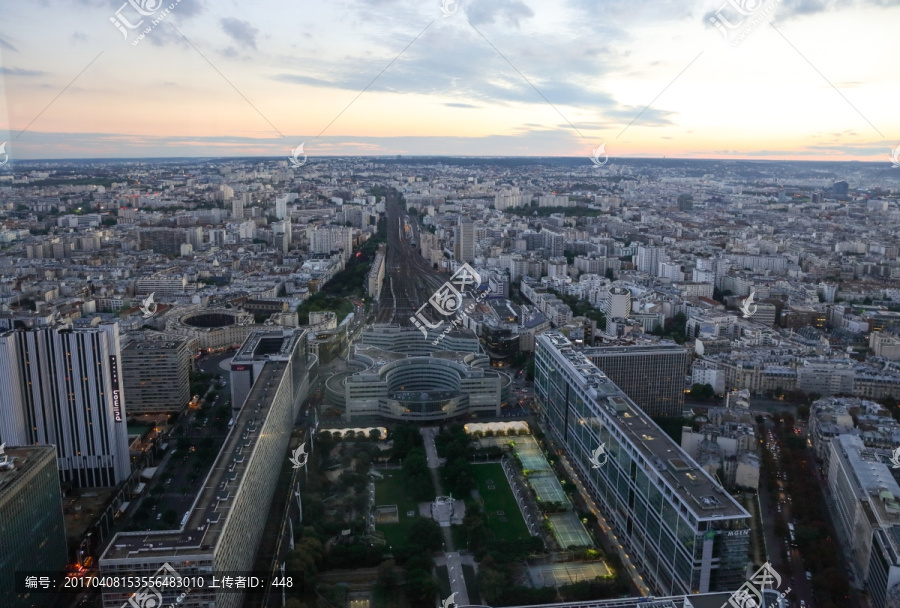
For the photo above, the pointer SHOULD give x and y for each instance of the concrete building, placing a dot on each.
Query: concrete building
(376, 277)
(827, 378)
(155, 375)
(866, 513)
(61, 386)
(33, 534)
(223, 529)
(165, 241)
(161, 284)
(648, 259)
(618, 303)
(652, 375)
(678, 525)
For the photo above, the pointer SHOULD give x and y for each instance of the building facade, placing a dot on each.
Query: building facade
(224, 527)
(651, 375)
(32, 529)
(62, 387)
(155, 374)
(682, 530)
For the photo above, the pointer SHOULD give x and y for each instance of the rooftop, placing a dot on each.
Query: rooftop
(204, 522)
(22, 460)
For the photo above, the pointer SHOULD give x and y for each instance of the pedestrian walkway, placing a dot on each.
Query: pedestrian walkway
(451, 558)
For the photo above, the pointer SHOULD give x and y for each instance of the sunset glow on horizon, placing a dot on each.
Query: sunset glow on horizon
(496, 78)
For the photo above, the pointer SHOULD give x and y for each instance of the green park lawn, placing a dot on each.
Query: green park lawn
(499, 499)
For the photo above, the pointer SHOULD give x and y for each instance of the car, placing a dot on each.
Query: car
(808, 575)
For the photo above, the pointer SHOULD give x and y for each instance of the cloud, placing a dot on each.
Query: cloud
(483, 12)
(21, 72)
(5, 44)
(461, 105)
(240, 31)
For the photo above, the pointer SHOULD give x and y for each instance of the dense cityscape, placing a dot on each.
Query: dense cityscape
(516, 381)
(449, 304)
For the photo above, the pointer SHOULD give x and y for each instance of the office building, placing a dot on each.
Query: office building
(165, 241)
(648, 259)
(61, 386)
(32, 529)
(652, 375)
(155, 375)
(223, 529)
(441, 386)
(866, 513)
(682, 530)
(161, 284)
(465, 239)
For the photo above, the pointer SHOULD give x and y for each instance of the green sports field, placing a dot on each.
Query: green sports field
(509, 526)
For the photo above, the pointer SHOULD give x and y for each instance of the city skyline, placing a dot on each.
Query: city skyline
(510, 78)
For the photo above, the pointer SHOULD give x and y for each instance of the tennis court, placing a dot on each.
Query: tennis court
(556, 575)
(547, 488)
(569, 531)
(530, 454)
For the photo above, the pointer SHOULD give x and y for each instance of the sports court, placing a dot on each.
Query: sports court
(556, 575)
(530, 454)
(547, 488)
(569, 530)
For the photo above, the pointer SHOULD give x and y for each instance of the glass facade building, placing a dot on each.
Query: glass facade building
(679, 526)
(32, 529)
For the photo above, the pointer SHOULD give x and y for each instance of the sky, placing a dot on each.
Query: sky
(754, 79)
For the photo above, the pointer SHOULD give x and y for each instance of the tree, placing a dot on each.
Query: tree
(388, 574)
(426, 535)
(702, 392)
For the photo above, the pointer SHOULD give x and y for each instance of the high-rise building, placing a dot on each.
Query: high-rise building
(61, 386)
(155, 375)
(648, 259)
(652, 375)
(864, 511)
(32, 528)
(554, 243)
(237, 209)
(685, 202)
(223, 529)
(618, 304)
(465, 239)
(680, 528)
(283, 236)
(165, 241)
